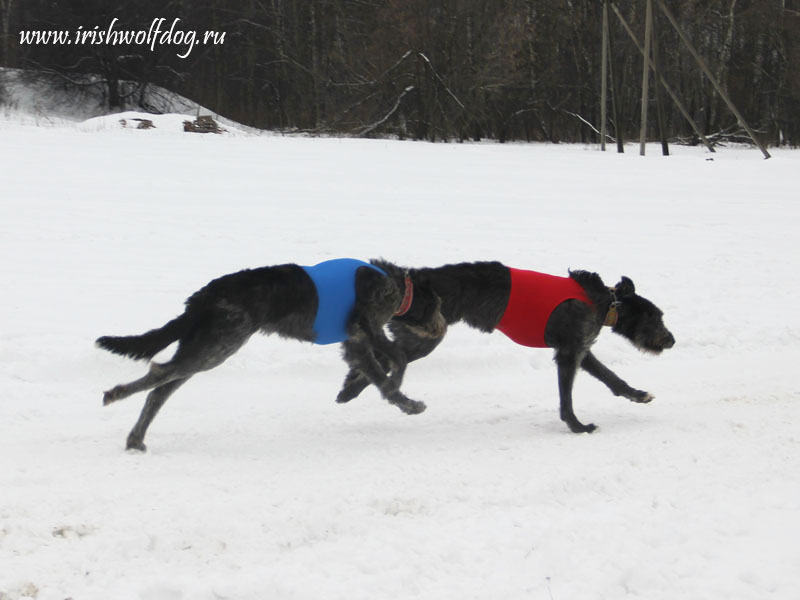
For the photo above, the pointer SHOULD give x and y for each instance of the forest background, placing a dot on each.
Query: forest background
(426, 69)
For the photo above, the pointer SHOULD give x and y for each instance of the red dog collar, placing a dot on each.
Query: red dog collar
(408, 297)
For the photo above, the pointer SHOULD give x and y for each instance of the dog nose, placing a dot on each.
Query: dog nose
(669, 342)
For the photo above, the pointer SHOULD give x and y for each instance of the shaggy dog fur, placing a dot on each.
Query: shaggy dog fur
(220, 318)
(478, 293)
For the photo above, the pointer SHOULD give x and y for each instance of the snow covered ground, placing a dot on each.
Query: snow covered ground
(257, 485)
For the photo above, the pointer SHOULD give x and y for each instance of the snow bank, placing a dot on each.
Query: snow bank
(45, 100)
(155, 124)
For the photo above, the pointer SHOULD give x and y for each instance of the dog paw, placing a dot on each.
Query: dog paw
(344, 397)
(589, 428)
(409, 406)
(641, 397)
(351, 390)
(135, 444)
(112, 395)
(576, 426)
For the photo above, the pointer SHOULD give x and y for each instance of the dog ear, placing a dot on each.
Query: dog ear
(625, 287)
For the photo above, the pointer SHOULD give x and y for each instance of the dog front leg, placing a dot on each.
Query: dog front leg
(618, 387)
(567, 368)
(390, 356)
(356, 382)
(359, 356)
(413, 346)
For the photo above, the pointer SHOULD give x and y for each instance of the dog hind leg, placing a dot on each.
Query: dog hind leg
(155, 400)
(222, 332)
(159, 374)
(618, 386)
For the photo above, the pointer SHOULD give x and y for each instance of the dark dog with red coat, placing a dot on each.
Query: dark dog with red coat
(536, 310)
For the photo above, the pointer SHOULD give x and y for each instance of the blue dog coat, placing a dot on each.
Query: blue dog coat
(335, 281)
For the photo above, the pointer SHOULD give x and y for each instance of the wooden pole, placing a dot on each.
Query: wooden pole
(604, 78)
(662, 126)
(710, 76)
(663, 82)
(648, 31)
(617, 127)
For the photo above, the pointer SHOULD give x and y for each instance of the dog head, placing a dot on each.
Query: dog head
(424, 316)
(640, 320)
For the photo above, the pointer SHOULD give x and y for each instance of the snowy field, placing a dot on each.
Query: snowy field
(257, 485)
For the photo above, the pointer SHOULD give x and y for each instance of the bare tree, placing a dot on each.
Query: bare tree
(6, 7)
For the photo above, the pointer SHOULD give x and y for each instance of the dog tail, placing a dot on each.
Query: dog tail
(146, 345)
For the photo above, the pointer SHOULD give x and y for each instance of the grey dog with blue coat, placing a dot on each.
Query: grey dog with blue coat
(342, 300)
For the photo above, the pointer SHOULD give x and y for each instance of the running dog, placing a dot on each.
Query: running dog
(536, 310)
(342, 300)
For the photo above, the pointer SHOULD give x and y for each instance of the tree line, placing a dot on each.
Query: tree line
(430, 69)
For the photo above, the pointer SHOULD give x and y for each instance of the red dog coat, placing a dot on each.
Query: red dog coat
(533, 298)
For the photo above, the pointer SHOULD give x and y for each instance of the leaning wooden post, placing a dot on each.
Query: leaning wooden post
(711, 78)
(604, 78)
(648, 31)
(663, 82)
